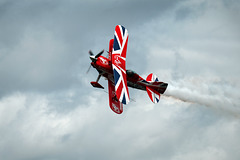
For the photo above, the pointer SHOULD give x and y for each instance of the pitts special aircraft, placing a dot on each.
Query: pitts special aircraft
(114, 70)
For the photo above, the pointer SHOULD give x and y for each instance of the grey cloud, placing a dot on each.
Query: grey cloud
(90, 131)
(48, 106)
(59, 35)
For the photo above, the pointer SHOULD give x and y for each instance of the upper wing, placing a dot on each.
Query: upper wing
(114, 103)
(119, 63)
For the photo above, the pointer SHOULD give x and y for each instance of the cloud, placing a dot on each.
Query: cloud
(213, 93)
(48, 106)
(170, 130)
(44, 44)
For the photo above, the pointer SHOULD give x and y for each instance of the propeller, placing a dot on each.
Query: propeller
(89, 68)
(94, 58)
(90, 53)
(99, 54)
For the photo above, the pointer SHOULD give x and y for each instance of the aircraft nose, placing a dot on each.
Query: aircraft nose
(93, 58)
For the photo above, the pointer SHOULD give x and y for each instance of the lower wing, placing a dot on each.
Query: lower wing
(114, 103)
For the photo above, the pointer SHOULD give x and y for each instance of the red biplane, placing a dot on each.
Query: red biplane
(114, 70)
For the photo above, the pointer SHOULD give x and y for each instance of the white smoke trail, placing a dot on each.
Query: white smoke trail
(220, 97)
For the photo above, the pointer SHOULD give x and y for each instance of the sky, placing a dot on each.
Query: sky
(49, 110)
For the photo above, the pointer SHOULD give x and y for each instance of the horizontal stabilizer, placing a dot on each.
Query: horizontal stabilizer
(155, 84)
(160, 87)
(155, 88)
(153, 95)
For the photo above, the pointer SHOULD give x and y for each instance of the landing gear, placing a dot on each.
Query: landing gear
(96, 84)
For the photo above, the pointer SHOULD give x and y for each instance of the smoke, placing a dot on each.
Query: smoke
(215, 94)
(209, 87)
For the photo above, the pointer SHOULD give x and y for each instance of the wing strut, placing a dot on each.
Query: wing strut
(96, 84)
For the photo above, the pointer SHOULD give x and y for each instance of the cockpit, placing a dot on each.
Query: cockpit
(130, 73)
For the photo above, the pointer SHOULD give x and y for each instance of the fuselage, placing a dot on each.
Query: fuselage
(104, 66)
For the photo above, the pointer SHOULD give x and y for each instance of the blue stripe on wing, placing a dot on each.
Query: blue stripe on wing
(116, 44)
(116, 76)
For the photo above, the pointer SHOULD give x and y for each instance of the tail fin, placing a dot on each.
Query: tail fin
(154, 88)
(152, 78)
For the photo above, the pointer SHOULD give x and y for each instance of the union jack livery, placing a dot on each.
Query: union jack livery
(119, 63)
(119, 79)
(154, 95)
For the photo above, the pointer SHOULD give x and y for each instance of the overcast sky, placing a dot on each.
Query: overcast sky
(49, 110)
